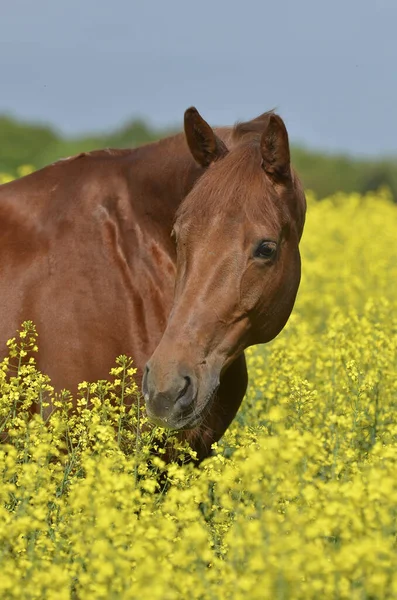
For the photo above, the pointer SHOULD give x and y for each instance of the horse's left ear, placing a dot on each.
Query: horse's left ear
(275, 149)
(205, 146)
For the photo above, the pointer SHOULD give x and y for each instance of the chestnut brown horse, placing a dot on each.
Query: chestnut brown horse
(180, 254)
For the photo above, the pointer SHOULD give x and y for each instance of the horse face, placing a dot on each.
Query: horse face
(238, 267)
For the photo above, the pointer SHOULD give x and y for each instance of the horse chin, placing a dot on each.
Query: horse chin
(189, 422)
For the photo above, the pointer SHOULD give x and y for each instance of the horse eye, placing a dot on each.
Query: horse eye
(266, 250)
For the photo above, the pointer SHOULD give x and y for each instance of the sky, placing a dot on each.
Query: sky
(329, 67)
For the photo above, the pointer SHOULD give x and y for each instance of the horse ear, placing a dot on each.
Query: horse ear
(205, 146)
(275, 149)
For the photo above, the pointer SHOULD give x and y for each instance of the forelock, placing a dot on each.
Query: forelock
(234, 183)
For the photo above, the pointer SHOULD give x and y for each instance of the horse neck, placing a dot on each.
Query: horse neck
(168, 172)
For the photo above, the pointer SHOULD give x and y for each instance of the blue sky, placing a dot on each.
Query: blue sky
(89, 65)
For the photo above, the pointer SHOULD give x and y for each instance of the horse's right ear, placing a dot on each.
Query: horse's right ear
(205, 146)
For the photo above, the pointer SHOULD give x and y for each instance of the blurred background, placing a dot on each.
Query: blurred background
(87, 74)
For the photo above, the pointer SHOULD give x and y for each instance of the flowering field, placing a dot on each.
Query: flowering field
(300, 499)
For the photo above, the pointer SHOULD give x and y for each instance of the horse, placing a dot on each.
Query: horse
(180, 253)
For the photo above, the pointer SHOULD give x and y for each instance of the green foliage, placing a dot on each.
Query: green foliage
(326, 174)
(23, 143)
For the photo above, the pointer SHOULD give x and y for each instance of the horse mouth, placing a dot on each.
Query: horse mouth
(191, 419)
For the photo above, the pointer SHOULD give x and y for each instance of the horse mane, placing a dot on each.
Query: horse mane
(253, 129)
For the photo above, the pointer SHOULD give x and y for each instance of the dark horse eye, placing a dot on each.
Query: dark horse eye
(266, 250)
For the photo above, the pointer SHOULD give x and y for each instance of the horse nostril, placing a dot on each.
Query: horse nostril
(185, 396)
(185, 387)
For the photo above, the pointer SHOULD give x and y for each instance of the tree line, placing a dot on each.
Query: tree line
(38, 145)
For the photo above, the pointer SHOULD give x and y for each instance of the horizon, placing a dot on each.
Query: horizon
(164, 131)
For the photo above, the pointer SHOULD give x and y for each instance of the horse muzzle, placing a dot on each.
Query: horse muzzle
(174, 401)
